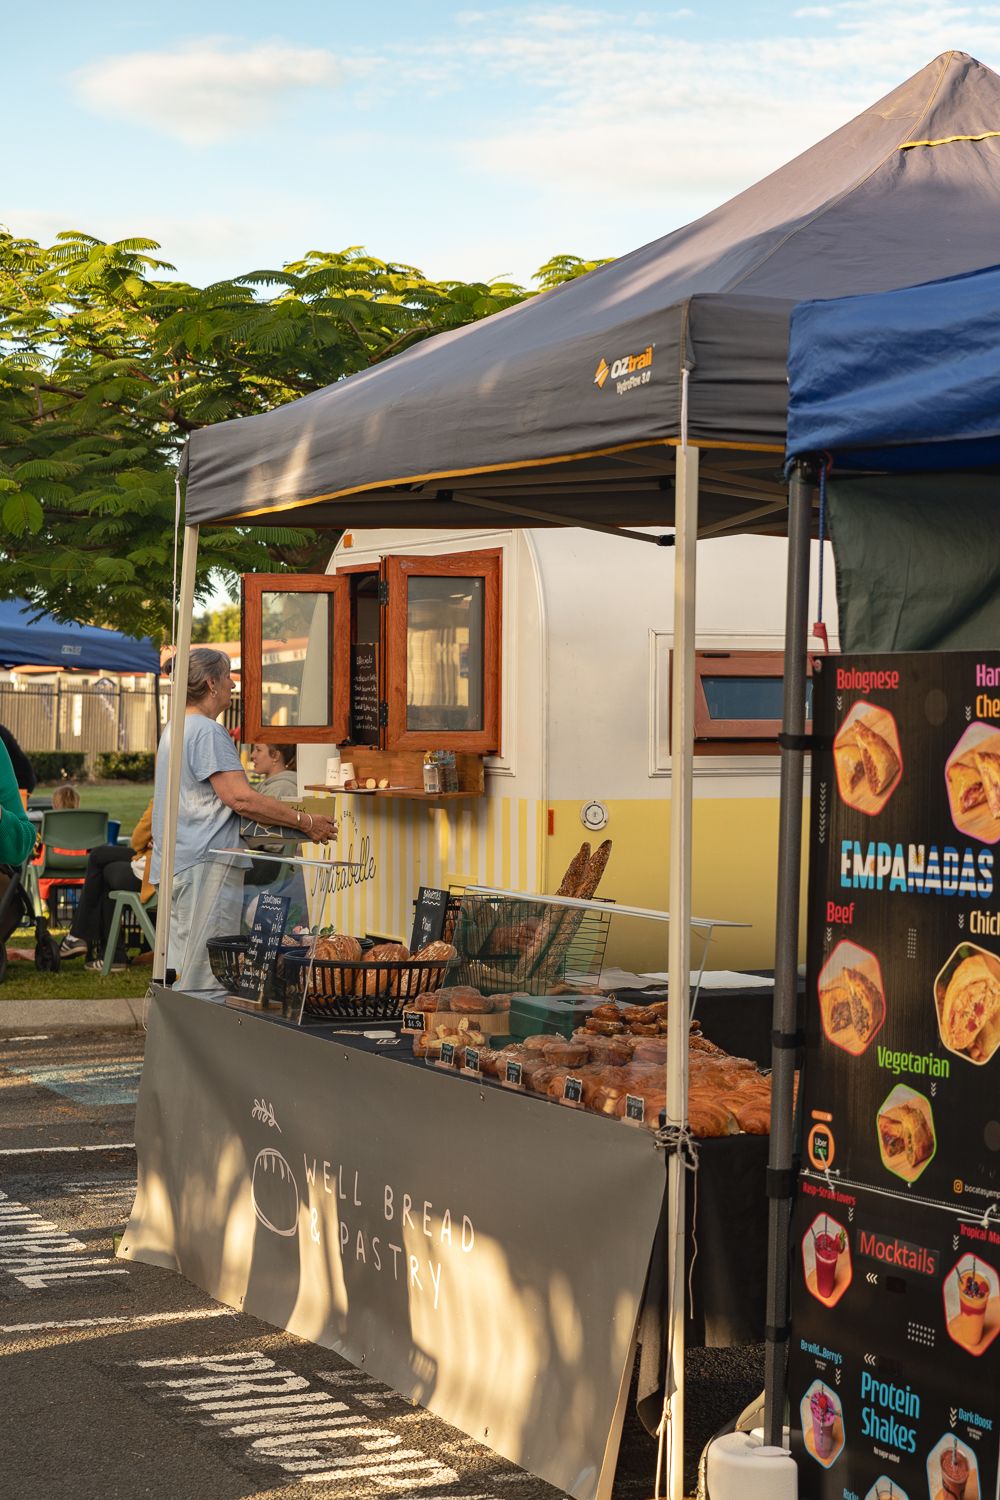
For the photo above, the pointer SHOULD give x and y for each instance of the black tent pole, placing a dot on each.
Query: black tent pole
(786, 958)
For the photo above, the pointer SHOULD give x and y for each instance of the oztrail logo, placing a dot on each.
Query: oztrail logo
(628, 372)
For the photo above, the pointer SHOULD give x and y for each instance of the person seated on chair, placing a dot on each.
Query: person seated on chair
(110, 867)
(276, 764)
(23, 770)
(65, 798)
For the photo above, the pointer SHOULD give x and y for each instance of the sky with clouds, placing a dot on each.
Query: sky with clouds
(471, 141)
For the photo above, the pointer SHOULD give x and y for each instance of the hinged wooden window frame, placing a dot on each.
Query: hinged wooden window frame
(722, 663)
(255, 585)
(397, 570)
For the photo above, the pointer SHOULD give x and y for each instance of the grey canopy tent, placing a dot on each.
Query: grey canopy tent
(650, 393)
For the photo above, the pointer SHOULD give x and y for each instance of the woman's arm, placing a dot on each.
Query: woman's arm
(17, 832)
(142, 833)
(232, 788)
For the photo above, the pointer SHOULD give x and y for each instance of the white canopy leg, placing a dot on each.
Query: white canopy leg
(178, 705)
(679, 953)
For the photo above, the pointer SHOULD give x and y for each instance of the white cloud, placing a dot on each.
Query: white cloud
(208, 91)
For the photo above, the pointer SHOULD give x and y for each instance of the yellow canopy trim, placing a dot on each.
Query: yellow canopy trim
(948, 140)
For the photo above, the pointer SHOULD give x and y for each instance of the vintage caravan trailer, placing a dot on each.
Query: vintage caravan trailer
(549, 652)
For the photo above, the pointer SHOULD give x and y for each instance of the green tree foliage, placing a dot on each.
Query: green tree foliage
(107, 365)
(222, 624)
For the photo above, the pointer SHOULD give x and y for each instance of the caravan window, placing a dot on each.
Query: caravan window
(739, 695)
(295, 662)
(443, 651)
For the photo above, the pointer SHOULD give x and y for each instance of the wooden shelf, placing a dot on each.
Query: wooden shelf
(405, 770)
(397, 791)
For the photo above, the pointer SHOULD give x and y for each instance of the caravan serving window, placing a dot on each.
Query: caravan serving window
(295, 660)
(739, 694)
(401, 653)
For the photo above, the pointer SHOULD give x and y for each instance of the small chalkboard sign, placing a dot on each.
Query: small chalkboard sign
(635, 1108)
(471, 1064)
(447, 1054)
(512, 1074)
(263, 943)
(429, 918)
(364, 695)
(573, 1090)
(414, 1020)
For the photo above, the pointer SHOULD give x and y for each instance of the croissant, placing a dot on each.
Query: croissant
(707, 1117)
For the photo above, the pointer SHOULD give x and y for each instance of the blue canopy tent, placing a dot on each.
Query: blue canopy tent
(30, 639)
(901, 380)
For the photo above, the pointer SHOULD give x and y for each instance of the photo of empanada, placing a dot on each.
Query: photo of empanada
(967, 993)
(880, 760)
(866, 1002)
(905, 1126)
(851, 992)
(965, 785)
(988, 766)
(867, 757)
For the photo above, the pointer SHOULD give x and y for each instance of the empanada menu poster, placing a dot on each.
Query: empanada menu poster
(902, 1078)
(895, 1341)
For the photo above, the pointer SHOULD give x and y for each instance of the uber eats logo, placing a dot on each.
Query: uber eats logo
(629, 371)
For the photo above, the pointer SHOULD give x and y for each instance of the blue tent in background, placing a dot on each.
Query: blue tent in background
(28, 640)
(902, 380)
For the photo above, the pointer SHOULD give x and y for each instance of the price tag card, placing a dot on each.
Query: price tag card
(513, 1076)
(573, 1091)
(414, 1020)
(447, 1058)
(635, 1109)
(471, 1064)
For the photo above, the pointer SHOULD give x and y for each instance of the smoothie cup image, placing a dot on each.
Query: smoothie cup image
(823, 1417)
(827, 1251)
(954, 1473)
(973, 1297)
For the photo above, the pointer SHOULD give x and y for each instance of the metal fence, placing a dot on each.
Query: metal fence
(64, 716)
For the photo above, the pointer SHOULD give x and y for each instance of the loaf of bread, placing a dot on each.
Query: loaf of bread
(385, 953)
(437, 952)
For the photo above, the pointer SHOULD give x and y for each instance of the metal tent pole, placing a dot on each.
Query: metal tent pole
(679, 951)
(178, 704)
(785, 1014)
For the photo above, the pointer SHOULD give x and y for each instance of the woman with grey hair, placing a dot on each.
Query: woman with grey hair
(215, 794)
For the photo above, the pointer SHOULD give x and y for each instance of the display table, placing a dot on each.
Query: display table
(482, 1252)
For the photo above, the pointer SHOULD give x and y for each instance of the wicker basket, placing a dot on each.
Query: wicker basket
(227, 956)
(336, 991)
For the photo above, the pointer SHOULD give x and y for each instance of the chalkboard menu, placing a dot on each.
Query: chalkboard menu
(364, 695)
(428, 922)
(263, 944)
(894, 1354)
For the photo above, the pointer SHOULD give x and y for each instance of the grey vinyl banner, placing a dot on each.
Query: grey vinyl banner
(483, 1253)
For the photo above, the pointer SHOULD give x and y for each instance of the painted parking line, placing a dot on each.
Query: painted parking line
(38, 1254)
(88, 1083)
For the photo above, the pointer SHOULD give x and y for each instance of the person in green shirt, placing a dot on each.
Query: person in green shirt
(17, 832)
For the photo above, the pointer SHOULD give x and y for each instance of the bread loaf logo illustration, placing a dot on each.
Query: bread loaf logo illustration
(275, 1193)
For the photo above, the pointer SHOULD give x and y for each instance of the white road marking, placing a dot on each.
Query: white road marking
(160, 1317)
(63, 1150)
(39, 1036)
(36, 1252)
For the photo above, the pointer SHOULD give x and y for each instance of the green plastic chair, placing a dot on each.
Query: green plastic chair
(144, 915)
(61, 831)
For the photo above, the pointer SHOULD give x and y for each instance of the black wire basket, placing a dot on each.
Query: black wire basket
(512, 944)
(341, 991)
(227, 956)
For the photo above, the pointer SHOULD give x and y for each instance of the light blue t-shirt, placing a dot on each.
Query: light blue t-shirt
(204, 821)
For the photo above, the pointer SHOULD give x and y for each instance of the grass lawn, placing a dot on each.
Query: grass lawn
(73, 982)
(124, 800)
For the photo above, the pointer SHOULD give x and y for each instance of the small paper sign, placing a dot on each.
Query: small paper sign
(472, 1060)
(573, 1090)
(448, 1054)
(635, 1108)
(512, 1074)
(415, 1020)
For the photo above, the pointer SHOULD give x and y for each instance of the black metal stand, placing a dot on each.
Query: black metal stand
(785, 1017)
